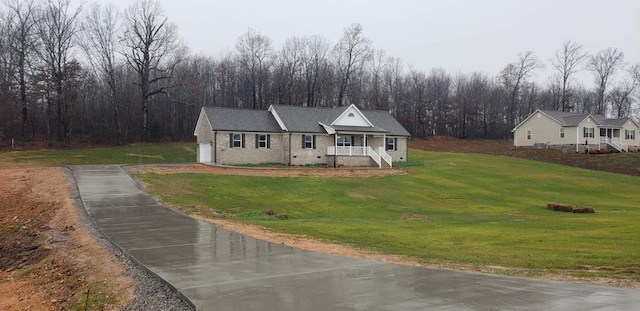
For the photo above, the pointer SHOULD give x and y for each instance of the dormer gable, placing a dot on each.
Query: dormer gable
(352, 117)
(589, 120)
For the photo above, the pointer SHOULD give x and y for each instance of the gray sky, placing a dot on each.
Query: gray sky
(457, 35)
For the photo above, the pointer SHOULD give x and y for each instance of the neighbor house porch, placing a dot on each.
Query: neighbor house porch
(611, 137)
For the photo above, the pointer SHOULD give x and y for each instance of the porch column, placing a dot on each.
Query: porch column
(335, 148)
(577, 137)
(365, 143)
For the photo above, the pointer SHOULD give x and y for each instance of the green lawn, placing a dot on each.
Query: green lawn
(133, 154)
(456, 208)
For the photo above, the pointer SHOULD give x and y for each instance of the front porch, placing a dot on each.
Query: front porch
(361, 145)
(611, 137)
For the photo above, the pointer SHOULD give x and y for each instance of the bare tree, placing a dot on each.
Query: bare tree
(567, 62)
(621, 99)
(621, 96)
(376, 69)
(393, 78)
(290, 61)
(20, 45)
(315, 64)
(604, 65)
(101, 29)
(350, 54)
(56, 29)
(514, 76)
(152, 49)
(255, 53)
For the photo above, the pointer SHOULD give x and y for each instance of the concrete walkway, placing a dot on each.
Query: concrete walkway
(216, 269)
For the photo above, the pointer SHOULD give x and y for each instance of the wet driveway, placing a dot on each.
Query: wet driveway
(217, 269)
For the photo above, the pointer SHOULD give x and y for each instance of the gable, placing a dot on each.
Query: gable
(631, 124)
(203, 123)
(589, 121)
(537, 118)
(352, 117)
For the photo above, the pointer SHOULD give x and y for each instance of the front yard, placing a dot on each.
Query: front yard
(486, 213)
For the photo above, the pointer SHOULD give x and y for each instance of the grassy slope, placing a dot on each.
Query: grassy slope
(462, 208)
(133, 154)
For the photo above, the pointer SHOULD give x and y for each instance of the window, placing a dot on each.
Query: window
(308, 141)
(528, 134)
(562, 132)
(345, 141)
(587, 132)
(236, 140)
(630, 134)
(351, 115)
(263, 141)
(392, 143)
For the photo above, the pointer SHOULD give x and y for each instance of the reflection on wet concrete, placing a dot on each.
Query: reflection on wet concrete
(217, 269)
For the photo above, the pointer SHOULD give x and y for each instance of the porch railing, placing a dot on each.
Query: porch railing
(377, 157)
(348, 150)
(385, 156)
(614, 142)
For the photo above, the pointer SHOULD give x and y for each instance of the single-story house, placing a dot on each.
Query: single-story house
(300, 136)
(577, 131)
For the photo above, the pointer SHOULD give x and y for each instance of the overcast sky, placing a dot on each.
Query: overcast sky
(457, 35)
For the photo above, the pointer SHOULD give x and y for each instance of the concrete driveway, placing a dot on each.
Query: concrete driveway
(216, 269)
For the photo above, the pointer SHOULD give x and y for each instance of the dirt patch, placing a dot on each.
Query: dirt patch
(613, 162)
(48, 260)
(270, 172)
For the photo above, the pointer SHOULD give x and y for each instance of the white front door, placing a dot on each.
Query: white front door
(205, 152)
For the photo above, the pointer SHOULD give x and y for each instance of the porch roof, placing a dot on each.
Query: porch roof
(358, 129)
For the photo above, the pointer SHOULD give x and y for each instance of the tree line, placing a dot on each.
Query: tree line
(99, 74)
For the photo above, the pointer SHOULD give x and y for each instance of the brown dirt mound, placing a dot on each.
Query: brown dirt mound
(46, 256)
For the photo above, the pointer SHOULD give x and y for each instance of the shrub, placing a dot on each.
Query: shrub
(560, 207)
(583, 210)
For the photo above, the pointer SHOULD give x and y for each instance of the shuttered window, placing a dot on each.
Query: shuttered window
(236, 140)
(308, 141)
(263, 141)
(587, 132)
(392, 143)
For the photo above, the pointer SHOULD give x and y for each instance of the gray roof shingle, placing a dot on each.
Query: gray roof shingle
(298, 119)
(245, 120)
(573, 119)
(385, 120)
(305, 120)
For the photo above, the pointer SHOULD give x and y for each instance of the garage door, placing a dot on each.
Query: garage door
(205, 152)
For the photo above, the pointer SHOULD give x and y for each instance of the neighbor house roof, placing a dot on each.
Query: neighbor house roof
(573, 119)
(230, 119)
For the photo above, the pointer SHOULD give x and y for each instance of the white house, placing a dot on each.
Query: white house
(555, 128)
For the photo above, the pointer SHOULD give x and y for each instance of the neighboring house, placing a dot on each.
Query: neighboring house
(300, 136)
(555, 128)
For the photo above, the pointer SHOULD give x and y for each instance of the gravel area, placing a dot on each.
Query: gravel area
(151, 293)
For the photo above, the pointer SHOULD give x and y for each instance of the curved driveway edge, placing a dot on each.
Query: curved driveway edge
(217, 269)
